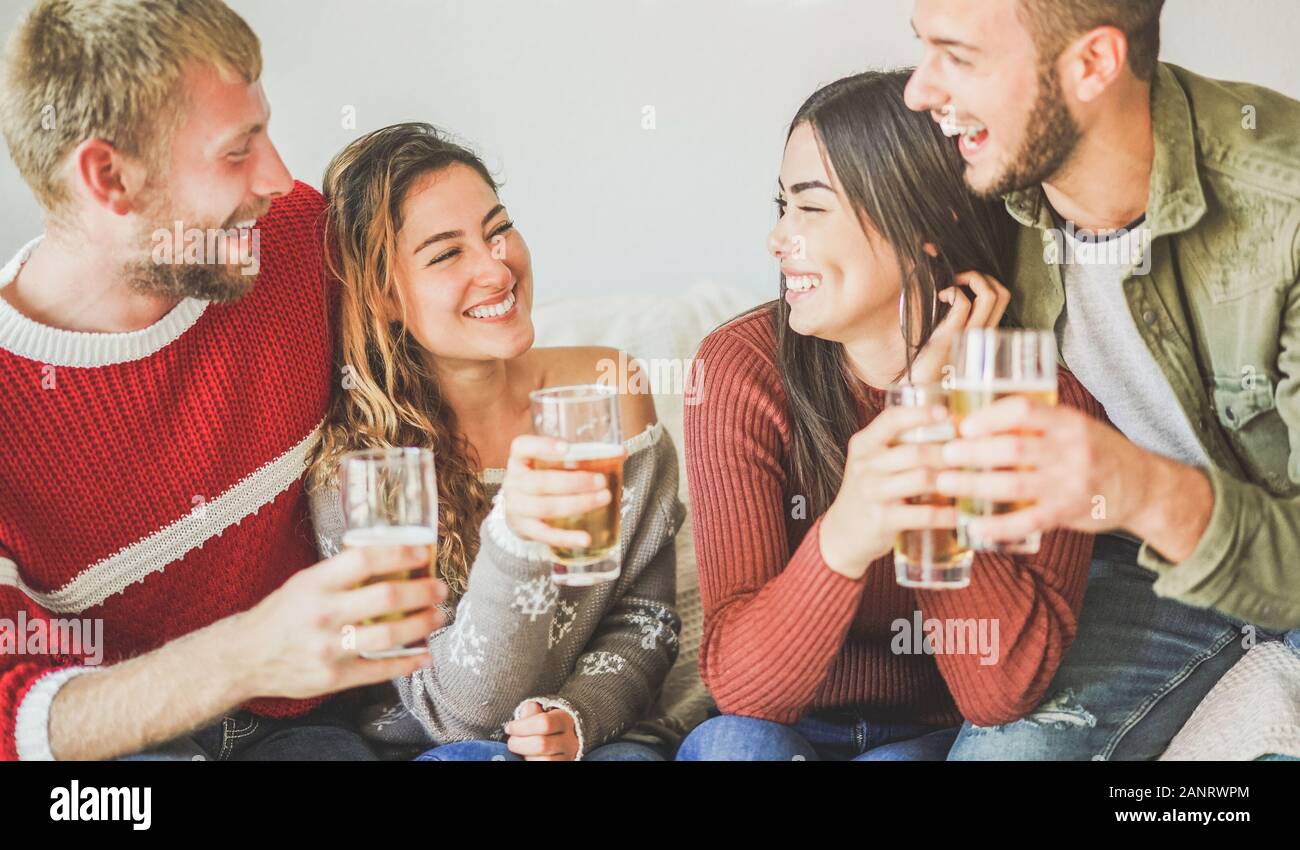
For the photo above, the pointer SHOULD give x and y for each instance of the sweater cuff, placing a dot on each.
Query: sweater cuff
(549, 703)
(1196, 579)
(1218, 572)
(32, 723)
(515, 556)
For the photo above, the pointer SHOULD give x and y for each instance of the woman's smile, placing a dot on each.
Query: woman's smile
(499, 308)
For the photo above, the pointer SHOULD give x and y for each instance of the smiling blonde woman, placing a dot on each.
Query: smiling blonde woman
(437, 351)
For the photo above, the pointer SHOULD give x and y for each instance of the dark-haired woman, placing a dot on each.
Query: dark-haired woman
(798, 489)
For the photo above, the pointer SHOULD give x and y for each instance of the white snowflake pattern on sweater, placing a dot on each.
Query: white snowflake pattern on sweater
(467, 645)
(565, 614)
(534, 597)
(603, 661)
(390, 715)
(656, 622)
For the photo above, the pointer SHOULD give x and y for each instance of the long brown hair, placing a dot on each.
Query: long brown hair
(903, 176)
(388, 395)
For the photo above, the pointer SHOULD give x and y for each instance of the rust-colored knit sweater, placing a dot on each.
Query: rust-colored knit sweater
(784, 634)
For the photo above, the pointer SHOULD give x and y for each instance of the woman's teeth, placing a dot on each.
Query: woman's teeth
(803, 283)
(491, 312)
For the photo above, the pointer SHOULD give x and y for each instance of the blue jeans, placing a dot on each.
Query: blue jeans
(497, 751)
(325, 734)
(1139, 666)
(825, 736)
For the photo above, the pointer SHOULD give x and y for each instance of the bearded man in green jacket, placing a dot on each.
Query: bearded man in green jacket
(1160, 241)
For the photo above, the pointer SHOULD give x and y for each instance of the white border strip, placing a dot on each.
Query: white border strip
(32, 724)
(154, 553)
(78, 349)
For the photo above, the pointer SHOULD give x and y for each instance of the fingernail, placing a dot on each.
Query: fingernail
(597, 481)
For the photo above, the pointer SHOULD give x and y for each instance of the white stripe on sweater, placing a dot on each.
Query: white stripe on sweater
(169, 544)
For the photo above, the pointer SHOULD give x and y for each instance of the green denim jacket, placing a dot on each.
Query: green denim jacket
(1219, 308)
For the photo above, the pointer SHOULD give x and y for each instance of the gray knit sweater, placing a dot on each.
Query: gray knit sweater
(599, 653)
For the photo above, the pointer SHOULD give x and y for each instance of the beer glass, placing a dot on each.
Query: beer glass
(586, 418)
(390, 498)
(928, 558)
(990, 364)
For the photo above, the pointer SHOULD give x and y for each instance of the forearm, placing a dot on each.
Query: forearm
(1175, 508)
(495, 652)
(766, 654)
(623, 666)
(1244, 563)
(1014, 623)
(152, 698)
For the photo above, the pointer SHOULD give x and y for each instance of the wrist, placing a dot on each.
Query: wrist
(229, 647)
(831, 539)
(1176, 505)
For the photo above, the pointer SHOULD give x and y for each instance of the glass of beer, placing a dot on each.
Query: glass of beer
(390, 498)
(990, 364)
(931, 558)
(586, 419)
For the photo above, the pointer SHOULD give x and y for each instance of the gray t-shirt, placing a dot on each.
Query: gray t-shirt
(1100, 344)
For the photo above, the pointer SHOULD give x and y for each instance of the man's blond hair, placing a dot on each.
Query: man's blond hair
(109, 69)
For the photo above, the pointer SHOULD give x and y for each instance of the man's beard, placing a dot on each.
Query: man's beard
(215, 282)
(1051, 135)
(207, 279)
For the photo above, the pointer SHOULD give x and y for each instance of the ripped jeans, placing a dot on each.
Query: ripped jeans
(1139, 666)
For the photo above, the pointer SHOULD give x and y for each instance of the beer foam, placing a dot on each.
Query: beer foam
(391, 535)
(592, 451)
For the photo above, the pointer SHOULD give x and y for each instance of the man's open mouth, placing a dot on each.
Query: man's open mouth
(971, 136)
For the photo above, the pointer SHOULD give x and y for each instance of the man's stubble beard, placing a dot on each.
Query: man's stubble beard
(220, 283)
(1051, 136)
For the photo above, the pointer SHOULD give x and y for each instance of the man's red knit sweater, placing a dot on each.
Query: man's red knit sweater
(785, 635)
(152, 479)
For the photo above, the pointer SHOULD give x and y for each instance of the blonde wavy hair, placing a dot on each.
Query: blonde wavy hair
(389, 396)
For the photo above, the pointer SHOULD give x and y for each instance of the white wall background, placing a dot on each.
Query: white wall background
(551, 92)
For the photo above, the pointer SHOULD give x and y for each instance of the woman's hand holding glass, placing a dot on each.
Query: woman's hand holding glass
(880, 474)
(531, 496)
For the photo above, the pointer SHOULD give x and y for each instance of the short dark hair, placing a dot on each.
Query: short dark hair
(1055, 23)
